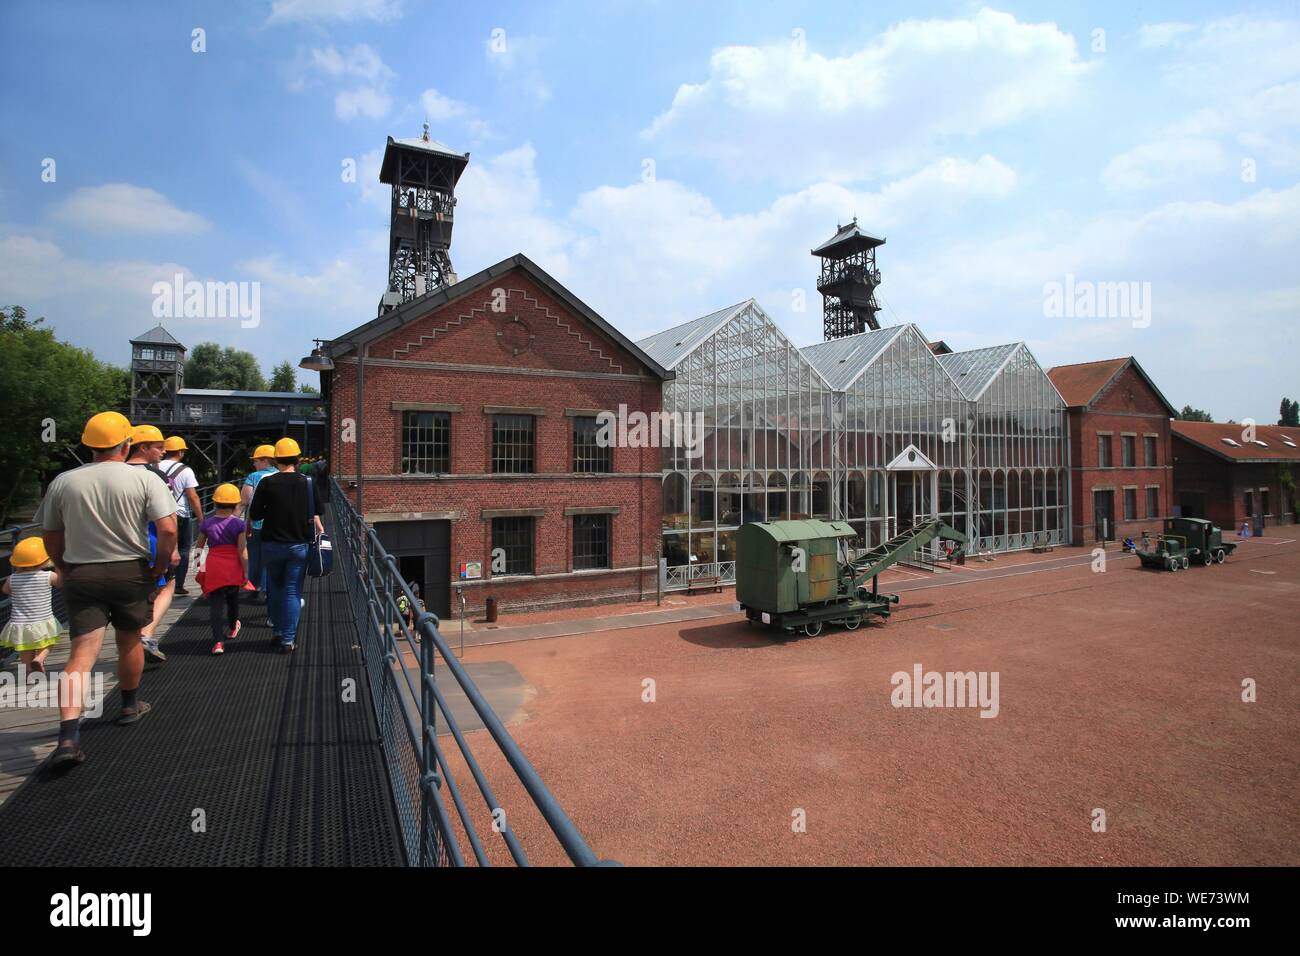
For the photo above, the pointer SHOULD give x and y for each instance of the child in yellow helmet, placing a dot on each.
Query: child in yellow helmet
(32, 627)
(225, 569)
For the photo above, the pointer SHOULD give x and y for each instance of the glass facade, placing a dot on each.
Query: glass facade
(872, 429)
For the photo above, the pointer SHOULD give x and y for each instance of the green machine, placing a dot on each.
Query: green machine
(796, 575)
(1184, 541)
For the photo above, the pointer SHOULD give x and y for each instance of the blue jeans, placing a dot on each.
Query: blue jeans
(184, 541)
(285, 566)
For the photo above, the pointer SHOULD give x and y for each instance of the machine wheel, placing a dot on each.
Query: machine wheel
(854, 622)
(1185, 563)
(1207, 559)
(812, 628)
(1171, 564)
(1220, 555)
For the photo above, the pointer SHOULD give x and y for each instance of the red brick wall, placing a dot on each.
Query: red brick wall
(1224, 486)
(1127, 405)
(569, 365)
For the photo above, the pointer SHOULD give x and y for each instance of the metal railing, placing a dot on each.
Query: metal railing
(410, 708)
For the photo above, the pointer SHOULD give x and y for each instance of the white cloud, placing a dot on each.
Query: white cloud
(1163, 34)
(780, 108)
(1235, 55)
(516, 60)
(1157, 164)
(362, 64)
(118, 208)
(363, 101)
(312, 11)
(438, 107)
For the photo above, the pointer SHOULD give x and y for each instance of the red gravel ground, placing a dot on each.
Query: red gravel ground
(1120, 691)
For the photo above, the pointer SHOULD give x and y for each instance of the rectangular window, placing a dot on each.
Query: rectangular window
(1153, 502)
(1149, 451)
(146, 354)
(1130, 504)
(590, 542)
(590, 456)
(426, 443)
(1103, 451)
(167, 355)
(512, 444)
(514, 539)
(1129, 445)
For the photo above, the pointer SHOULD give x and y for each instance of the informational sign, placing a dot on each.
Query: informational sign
(471, 570)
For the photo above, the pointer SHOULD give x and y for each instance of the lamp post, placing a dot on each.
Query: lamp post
(318, 361)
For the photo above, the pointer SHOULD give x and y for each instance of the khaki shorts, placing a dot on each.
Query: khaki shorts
(119, 593)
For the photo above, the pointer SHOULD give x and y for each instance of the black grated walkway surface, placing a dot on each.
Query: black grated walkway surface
(285, 771)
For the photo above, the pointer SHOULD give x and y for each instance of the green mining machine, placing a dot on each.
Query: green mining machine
(795, 575)
(1186, 540)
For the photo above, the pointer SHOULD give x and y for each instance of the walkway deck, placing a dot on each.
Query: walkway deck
(253, 758)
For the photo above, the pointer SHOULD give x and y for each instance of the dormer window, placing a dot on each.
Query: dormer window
(1229, 441)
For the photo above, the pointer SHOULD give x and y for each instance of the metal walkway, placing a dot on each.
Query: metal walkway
(253, 758)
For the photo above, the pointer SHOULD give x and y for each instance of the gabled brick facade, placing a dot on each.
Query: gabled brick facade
(1114, 400)
(507, 341)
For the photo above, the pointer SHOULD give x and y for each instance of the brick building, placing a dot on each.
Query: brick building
(1120, 462)
(1221, 475)
(477, 436)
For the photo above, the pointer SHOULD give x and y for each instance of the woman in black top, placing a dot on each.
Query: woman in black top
(290, 516)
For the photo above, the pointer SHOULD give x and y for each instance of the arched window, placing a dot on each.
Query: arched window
(778, 497)
(674, 498)
(821, 495)
(702, 501)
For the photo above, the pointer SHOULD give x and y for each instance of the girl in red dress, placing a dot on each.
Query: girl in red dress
(226, 567)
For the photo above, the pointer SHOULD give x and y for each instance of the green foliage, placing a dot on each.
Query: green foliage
(308, 390)
(1189, 414)
(1289, 413)
(211, 366)
(283, 378)
(48, 389)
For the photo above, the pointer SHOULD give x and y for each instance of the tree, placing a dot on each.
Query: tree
(283, 378)
(308, 390)
(1189, 414)
(1290, 413)
(48, 389)
(211, 366)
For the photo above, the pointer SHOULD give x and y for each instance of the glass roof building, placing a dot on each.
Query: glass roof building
(873, 429)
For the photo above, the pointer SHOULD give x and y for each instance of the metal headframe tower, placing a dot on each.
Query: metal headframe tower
(848, 281)
(157, 375)
(423, 174)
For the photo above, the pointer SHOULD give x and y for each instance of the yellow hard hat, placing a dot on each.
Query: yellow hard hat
(145, 433)
(263, 451)
(175, 443)
(29, 553)
(287, 448)
(106, 430)
(226, 494)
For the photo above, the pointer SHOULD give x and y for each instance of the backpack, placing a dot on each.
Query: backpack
(170, 476)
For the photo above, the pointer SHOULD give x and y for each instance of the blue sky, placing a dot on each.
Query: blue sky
(666, 159)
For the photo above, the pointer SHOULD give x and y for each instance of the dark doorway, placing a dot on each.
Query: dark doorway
(1103, 515)
(423, 553)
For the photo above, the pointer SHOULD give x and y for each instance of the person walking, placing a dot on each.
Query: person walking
(94, 521)
(226, 567)
(263, 465)
(32, 629)
(290, 514)
(146, 452)
(184, 485)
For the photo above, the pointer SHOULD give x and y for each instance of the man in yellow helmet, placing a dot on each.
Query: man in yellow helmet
(94, 520)
(147, 450)
(184, 486)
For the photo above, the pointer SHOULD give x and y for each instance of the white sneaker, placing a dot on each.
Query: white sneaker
(302, 603)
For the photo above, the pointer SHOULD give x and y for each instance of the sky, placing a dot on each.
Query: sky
(663, 160)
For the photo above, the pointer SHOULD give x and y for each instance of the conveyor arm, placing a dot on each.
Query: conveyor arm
(900, 548)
